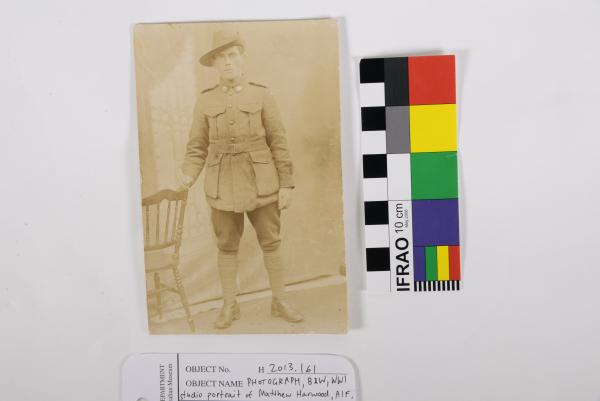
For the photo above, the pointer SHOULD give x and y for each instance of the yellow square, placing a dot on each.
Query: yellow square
(443, 263)
(433, 128)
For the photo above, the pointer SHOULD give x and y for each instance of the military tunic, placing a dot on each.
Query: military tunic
(238, 136)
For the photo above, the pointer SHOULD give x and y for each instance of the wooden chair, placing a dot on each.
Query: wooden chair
(163, 225)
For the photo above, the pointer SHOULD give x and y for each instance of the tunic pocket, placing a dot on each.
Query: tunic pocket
(211, 180)
(267, 180)
(215, 119)
(254, 115)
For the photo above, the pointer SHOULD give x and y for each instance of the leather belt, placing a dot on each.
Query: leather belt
(242, 146)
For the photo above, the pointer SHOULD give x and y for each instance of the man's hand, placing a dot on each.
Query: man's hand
(184, 181)
(285, 198)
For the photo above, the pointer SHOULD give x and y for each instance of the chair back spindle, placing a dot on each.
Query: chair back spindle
(166, 234)
(164, 213)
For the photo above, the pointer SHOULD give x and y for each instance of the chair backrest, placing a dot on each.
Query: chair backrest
(163, 219)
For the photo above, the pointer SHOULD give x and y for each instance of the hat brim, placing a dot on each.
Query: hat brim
(207, 59)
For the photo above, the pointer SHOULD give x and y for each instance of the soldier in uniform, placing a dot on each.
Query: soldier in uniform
(238, 137)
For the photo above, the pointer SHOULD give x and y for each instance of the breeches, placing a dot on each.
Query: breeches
(229, 227)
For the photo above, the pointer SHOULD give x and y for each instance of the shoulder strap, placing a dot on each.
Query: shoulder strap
(209, 89)
(257, 84)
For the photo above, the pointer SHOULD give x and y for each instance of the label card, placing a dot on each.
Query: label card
(237, 377)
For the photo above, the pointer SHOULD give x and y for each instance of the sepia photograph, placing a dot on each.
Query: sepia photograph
(241, 183)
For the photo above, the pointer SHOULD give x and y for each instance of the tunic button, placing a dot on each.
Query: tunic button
(228, 106)
(232, 139)
(231, 122)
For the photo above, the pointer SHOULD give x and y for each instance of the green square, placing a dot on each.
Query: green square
(434, 175)
(431, 263)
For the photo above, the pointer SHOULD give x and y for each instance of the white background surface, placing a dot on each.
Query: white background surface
(526, 326)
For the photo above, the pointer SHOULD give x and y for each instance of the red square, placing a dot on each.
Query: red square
(431, 80)
(454, 261)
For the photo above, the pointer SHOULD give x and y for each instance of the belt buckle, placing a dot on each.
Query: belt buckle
(232, 148)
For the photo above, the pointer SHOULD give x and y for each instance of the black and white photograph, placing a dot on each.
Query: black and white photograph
(239, 141)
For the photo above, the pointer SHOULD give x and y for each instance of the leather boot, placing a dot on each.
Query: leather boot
(228, 314)
(227, 264)
(283, 310)
(279, 308)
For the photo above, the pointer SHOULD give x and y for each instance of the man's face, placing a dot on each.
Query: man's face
(230, 63)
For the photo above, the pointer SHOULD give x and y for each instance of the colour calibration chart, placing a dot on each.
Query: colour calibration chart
(410, 173)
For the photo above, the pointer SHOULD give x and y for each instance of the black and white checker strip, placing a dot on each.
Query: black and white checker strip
(386, 171)
(451, 285)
